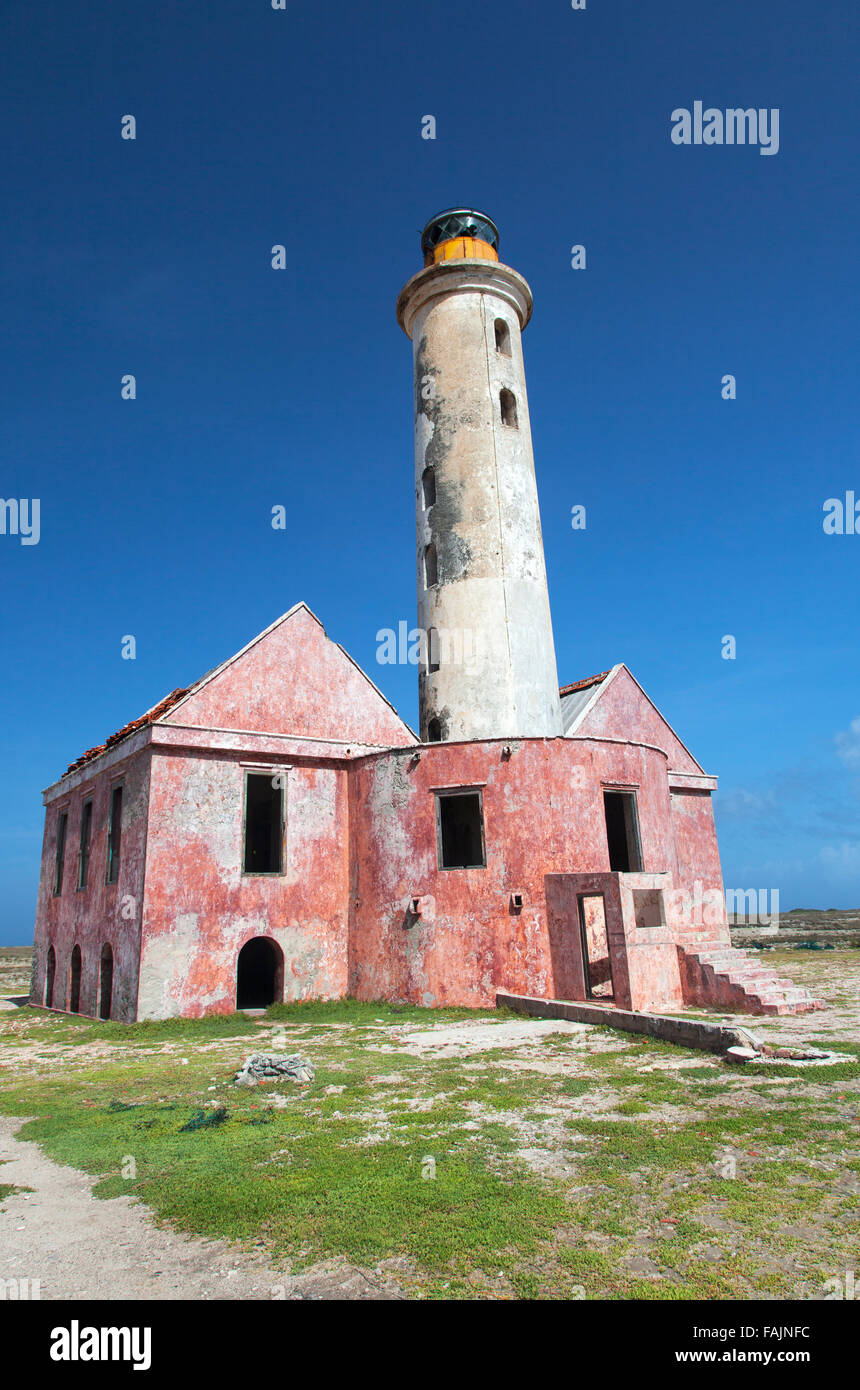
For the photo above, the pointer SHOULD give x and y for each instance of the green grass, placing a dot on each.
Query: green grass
(432, 1158)
(362, 1012)
(8, 1189)
(74, 1029)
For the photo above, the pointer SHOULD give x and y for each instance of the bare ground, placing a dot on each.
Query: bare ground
(80, 1247)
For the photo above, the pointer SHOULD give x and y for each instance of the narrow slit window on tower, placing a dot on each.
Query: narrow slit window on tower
(508, 402)
(60, 857)
(434, 731)
(460, 830)
(264, 823)
(431, 568)
(114, 835)
(86, 842)
(622, 832)
(433, 649)
(503, 338)
(428, 484)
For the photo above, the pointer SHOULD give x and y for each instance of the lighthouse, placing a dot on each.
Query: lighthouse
(487, 667)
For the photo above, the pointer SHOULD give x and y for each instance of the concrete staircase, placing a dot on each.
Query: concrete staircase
(717, 975)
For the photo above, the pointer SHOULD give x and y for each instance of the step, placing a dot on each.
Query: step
(748, 979)
(737, 975)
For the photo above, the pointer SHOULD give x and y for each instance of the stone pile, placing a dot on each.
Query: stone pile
(785, 1054)
(264, 1067)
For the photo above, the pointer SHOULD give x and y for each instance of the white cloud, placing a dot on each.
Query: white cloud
(848, 744)
(842, 859)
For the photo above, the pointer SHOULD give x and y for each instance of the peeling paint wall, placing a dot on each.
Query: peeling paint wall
(102, 913)
(201, 907)
(294, 680)
(698, 859)
(490, 588)
(360, 844)
(624, 712)
(543, 814)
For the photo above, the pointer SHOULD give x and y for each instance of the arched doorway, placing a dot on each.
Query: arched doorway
(259, 974)
(50, 976)
(105, 981)
(75, 982)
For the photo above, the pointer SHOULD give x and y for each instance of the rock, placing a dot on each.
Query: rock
(263, 1067)
(742, 1054)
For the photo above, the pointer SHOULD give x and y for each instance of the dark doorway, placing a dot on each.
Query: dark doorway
(259, 974)
(105, 982)
(622, 832)
(50, 976)
(595, 947)
(75, 982)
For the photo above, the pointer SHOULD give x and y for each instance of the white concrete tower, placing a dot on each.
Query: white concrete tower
(490, 668)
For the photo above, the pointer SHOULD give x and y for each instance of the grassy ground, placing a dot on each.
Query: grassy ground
(582, 1163)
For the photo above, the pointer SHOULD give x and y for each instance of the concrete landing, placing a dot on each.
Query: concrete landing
(687, 1032)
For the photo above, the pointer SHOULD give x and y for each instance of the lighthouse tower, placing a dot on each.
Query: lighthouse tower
(488, 669)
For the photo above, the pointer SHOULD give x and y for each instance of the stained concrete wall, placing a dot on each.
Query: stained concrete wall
(623, 711)
(102, 913)
(360, 844)
(200, 907)
(293, 679)
(543, 814)
(491, 592)
(698, 861)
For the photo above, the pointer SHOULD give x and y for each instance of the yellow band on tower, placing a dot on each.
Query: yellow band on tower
(463, 248)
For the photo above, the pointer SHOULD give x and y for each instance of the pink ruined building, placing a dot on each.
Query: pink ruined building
(277, 832)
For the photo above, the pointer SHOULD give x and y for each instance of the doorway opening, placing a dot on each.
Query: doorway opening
(50, 976)
(106, 982)
(597, 966)
(75, 982)
(622, 832)
(259, 974)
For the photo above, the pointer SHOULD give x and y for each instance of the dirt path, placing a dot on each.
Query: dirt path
(78, 1246)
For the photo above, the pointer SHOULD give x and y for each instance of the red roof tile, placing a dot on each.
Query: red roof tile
(583, 685)
(149, 718)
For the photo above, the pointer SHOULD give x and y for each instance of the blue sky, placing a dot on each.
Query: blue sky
(258, 388)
